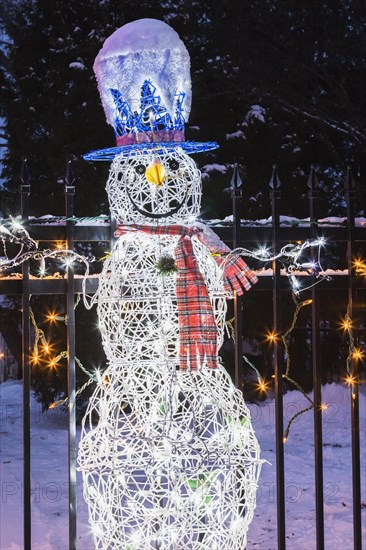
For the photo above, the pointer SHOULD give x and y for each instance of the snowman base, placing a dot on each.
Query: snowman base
(179, 472)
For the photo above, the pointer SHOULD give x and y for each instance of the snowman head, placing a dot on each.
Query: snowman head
(143, 74)
(154, 184)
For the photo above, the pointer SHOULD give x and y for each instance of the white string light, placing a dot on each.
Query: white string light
(29, 250)
(290, 257)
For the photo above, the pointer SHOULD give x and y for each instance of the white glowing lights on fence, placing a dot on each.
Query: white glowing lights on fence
(29, 250)
(290, 257)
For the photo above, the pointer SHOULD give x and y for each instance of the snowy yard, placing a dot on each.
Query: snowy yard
(49, 475)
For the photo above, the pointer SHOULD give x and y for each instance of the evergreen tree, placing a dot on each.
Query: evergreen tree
(273, 82)
(300, 65)
(51, 104)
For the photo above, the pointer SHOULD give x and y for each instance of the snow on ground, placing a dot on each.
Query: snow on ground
(49, 475)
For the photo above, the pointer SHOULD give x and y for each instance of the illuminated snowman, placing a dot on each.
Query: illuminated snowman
(168, 453)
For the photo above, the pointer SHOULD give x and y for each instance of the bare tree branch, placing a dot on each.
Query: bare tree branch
(338, 126)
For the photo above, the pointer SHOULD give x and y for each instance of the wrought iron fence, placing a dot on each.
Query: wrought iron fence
(67, 229)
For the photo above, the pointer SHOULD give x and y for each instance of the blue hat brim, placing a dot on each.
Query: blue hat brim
(189, 147)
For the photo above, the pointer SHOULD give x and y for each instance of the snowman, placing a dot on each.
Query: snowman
(168, 453)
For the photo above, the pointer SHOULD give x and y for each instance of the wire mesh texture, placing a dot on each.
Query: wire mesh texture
(133, 199)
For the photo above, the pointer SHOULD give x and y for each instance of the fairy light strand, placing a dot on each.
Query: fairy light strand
(13, 232)
(231, 333)
(354, 353)
(39, 335)
(262, 384)
(286, 375)
(289, 255)
(290, 258)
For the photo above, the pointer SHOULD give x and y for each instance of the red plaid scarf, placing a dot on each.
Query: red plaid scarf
(196, 320)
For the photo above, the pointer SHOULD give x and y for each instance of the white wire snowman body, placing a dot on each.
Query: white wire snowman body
(169, 456)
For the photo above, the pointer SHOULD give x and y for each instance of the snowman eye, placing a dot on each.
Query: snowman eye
(173, 164)
(140, 169)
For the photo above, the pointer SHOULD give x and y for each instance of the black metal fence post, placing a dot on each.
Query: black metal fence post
(275, 185)
(69, 210)
(313, 194)
(355, 412)
(236, 194)
(25, 192)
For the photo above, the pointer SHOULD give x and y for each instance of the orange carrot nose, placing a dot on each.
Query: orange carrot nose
(155, 173)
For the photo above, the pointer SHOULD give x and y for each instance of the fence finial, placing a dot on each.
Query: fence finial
(313, 182)
(24, 174)
(69, 178)
(236, 182)
(275, 182)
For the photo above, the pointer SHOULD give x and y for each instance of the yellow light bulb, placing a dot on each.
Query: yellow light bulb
(52, 317)
(357, 354)
(263, 386)
(271, 337)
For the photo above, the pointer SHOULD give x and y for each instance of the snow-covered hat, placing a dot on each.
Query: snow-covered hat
(143, 75)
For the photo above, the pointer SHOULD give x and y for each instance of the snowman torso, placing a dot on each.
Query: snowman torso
(137, 308)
